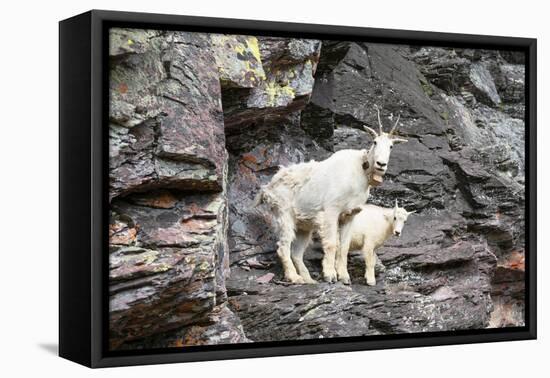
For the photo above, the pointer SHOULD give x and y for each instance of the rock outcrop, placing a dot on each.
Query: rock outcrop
(169, 255)
(199, 122)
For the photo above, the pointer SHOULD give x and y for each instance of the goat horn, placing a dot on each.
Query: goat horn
(399, 140)
(371, 131)
(379, 121)
(395, 125)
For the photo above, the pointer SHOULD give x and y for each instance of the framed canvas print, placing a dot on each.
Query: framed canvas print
(233, 188)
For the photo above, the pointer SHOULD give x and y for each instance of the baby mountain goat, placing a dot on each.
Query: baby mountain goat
(367, 230)
(311, 196)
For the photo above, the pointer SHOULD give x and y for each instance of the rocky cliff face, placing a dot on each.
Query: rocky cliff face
(199, 122)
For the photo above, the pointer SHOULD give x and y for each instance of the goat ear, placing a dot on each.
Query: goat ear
(399, 140)
(411, 212)
(374, 133)
(396, 205)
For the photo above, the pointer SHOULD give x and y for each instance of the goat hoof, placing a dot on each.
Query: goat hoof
(310, 281)
(330, 278)
(371, 283)
(296, 280)
(344, 277)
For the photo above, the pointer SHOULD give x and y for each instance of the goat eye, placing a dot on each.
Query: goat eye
(375, 143)
(391, 146)
(394, 218)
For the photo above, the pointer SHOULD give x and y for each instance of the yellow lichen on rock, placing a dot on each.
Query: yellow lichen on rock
(252, 43)
(238, 60)
(278, 95)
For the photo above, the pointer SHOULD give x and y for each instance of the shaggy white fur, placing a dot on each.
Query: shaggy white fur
(368, 230)
(311, 196)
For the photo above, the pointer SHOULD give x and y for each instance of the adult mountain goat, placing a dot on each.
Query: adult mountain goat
(310, 196)
(367, 230)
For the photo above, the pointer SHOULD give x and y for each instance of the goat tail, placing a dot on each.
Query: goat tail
(280, 191)
(261, 203)
(259, 198)
(266, 196)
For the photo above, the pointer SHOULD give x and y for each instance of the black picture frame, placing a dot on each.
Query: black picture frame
(83, 181)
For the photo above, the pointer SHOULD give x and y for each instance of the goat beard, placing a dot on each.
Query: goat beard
(375, 179)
